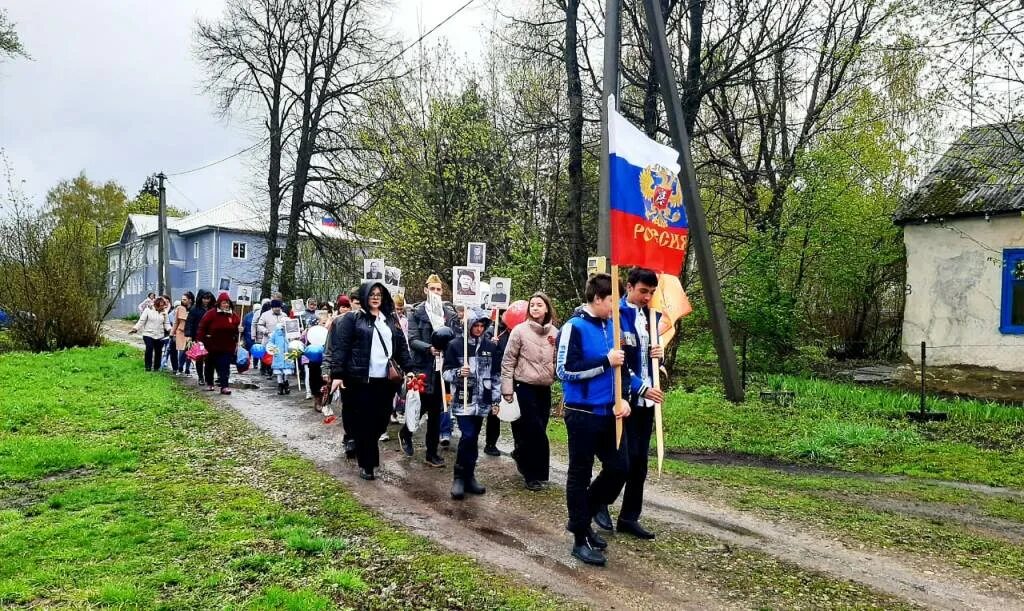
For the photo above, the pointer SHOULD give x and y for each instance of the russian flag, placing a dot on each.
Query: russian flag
(648, 221)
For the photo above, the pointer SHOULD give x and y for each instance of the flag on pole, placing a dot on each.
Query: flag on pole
(648, 221)
(329, 221)
(670, 299)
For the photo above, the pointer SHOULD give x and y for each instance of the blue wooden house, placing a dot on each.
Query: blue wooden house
(225, 244)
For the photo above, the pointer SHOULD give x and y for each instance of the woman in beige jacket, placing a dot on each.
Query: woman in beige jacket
(528, 369)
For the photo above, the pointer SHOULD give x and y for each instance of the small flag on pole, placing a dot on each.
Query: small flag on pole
(329, 221)
(648, 222)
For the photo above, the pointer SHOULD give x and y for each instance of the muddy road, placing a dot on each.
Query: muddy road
(706, 555)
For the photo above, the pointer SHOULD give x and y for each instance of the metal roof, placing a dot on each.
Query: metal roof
(981, 173)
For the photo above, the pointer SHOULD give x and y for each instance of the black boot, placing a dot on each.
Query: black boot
(473, 486)
(595, 540)
(280, 388)
(287, 390)
(632, 527)
(350, 448)
(458, 485)
(602, 519)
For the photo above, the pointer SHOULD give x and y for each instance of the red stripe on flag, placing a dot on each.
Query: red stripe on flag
(637, 241)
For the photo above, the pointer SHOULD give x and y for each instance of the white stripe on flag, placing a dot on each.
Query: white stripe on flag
(633, 146)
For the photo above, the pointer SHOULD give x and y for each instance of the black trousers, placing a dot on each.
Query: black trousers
(173, 353)
(204, 369)
(637, 431)
(432, 405)
(591, 436)
(221, 363)
(154, 349)
(533, 454)
(493, 430)
(369, 403)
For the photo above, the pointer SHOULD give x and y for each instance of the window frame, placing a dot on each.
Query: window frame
(244, 250)
(1010, 258)
(195, 250)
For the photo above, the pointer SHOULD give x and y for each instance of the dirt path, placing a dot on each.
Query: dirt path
(524, 534)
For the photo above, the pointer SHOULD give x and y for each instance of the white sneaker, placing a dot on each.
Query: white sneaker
(384, 437)
(309, 396)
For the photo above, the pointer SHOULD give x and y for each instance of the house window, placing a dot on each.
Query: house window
(195, 250)
(238, 250)
(1012, 315)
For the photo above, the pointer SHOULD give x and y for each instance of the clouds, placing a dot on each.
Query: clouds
(112, 89)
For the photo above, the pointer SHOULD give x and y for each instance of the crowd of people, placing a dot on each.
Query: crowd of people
(368, 345)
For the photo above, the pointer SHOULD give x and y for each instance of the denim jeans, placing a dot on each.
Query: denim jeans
(591, 436)
(469, 446)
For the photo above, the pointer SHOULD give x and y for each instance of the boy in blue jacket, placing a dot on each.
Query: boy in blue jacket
(585, 363)
(635, 317)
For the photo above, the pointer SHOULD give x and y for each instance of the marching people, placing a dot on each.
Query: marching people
(342, 305)
(585, 363)
(265, 326)
(473, 370)
(315, 380)
(146, 303)
(282, 366)
(204, 302)
(154, 326)
(178, 335)
(308, 316)
(428, 318)
(636, 342)
(366, 346)
(218, 330)
(528, 370)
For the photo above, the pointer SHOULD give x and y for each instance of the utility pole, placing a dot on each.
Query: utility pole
(691, 199)
(161, 272)
(609, 88)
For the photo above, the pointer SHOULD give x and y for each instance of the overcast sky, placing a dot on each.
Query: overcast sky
(112, 89)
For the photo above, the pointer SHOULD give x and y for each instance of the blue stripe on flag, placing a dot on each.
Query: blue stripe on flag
(625, 191)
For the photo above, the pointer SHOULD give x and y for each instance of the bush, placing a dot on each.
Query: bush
(52, 277)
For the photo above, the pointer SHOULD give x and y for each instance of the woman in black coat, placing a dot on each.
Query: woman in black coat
(204, 303)
(363, 345)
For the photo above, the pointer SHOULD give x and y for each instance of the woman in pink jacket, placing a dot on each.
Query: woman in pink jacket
(528, 369)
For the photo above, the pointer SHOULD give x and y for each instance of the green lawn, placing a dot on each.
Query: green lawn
(118, 488)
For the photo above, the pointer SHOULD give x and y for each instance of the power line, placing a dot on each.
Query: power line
(182, 193)
(213, 163)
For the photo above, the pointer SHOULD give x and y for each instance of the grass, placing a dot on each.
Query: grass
(118, 488)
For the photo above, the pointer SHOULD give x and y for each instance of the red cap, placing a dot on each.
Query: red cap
(223, 297)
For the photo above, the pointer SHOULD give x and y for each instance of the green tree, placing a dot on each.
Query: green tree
(10, 44)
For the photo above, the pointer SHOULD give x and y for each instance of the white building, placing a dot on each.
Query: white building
(964, 232)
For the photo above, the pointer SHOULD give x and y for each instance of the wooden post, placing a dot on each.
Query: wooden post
(617, 334)
(655, 378)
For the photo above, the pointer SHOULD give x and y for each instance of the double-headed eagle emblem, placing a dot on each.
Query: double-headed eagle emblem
(663, 199)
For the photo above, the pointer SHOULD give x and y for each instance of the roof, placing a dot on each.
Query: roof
(234, 216)
(982, 173)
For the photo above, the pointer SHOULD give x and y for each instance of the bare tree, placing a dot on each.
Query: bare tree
(247, 56)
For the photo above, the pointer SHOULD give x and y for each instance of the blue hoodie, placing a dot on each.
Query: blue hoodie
(634, 351)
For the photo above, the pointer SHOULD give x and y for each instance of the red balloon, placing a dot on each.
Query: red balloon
(515, 314)
(268, 359)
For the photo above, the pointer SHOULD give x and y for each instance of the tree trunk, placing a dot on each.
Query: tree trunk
(274, 191)
(574, 213)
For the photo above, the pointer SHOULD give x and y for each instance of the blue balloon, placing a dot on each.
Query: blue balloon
(315, 354)
(258, 350)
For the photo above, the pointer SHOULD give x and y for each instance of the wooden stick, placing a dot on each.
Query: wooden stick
(444, 387)
(617, 334)
(465, 357)
(655, 375)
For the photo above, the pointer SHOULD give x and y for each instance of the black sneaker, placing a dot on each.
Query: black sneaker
(474, 487)
(367, 474)
(585, 553)
(445, 442)
(435, 461)
(492, 451)
(596, 541)
(534, 486)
